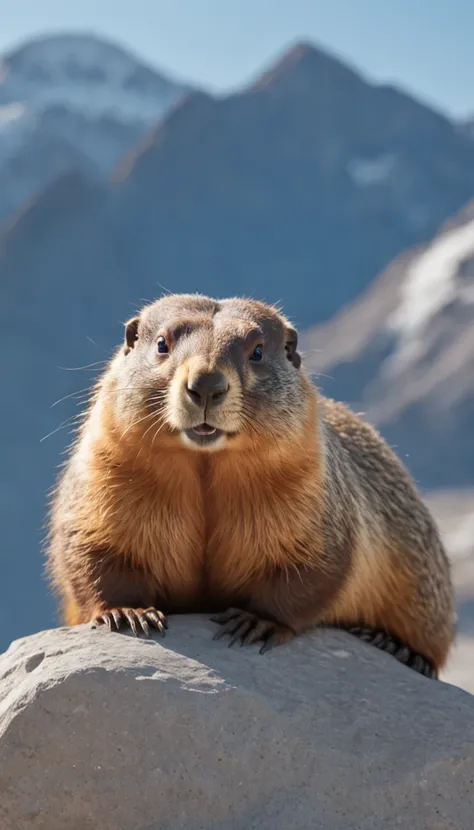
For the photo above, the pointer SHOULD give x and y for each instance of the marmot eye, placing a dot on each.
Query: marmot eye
(162, 345)
(257, 354)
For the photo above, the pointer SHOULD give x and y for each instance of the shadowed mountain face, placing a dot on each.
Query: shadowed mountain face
(298, 190)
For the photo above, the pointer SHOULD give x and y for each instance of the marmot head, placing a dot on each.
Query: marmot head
(211, 374)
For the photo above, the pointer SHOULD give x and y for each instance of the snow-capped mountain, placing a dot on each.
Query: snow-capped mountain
(72, 101)
(404, 353)
(87, 74)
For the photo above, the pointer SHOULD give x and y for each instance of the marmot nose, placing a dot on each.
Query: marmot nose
(207, 388)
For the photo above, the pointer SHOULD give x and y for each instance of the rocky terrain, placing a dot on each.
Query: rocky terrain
(100, 729)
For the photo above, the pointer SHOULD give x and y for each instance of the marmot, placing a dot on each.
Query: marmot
(211, 476)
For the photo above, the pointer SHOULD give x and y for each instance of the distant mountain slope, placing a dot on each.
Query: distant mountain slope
(404, 353)
(71, 101)
(301, 188)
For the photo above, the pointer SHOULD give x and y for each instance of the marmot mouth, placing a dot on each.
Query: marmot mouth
(205, 429)
(204, 434)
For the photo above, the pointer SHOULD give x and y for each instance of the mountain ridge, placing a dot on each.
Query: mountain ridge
(80, 93)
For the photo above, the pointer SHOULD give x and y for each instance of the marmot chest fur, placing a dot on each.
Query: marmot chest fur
(210, 475)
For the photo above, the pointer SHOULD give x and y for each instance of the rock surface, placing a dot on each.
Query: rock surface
(101, 730)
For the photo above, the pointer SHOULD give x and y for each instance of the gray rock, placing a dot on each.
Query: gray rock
(100, 730)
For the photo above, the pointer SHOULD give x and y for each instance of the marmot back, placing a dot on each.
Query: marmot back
(210, 475)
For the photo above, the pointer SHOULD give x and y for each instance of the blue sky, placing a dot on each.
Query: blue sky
(424, 45)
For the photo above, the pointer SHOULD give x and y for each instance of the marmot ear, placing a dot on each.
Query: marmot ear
(291, 345)
(131, 334)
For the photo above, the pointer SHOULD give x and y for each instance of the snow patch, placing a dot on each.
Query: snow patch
(369, 172)
(431, 281)
(10, 113)
(460, 542)
(430, 285)
(102, 100)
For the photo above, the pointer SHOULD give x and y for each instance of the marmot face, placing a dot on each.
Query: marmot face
(209, 374)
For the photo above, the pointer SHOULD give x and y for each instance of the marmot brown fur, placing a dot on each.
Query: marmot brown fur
(209, 475)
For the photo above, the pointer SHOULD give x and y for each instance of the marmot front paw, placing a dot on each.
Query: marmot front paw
(250, 628)
(138, 619)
